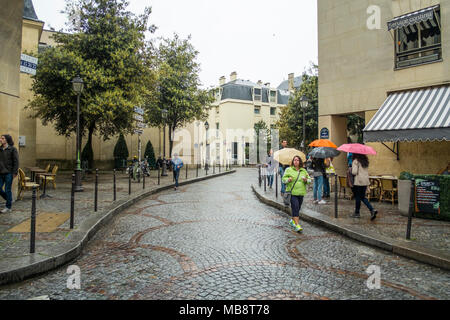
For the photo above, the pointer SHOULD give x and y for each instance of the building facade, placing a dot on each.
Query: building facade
(389, 62)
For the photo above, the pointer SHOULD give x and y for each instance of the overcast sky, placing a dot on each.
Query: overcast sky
(259, 39)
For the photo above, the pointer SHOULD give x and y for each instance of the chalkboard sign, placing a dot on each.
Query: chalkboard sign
(428, 196)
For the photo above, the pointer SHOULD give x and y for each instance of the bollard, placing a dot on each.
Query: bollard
(197, 170)
(276, 184)
(214, 168)
(187, 168)
(129, 184)
(159, 176)
(265, 180)
(143, 181)
(72, 203)
(219, 167)
(114, 187)
(335, 196)
(411, 209)
(96, 191)
(33, 223)
(259, 176)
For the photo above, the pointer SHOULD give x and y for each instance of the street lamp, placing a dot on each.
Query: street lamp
(304, 102)
(78, 86)
(207, 146)
(164, 113)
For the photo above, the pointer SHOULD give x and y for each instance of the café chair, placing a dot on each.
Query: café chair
(53, 178)
(388, 190)
(24, 185)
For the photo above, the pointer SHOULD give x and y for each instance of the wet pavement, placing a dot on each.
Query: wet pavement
(215, 240)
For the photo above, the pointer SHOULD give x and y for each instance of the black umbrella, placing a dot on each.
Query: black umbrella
(324, 152)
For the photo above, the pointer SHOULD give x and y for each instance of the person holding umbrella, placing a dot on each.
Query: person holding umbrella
(318, 155)
(296, 178)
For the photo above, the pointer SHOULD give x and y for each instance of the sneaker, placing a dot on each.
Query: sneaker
(292, 223)
(298, 228)
(322, 202)
(356, 216)
(6, 210)
(373, 215)
(315, 201)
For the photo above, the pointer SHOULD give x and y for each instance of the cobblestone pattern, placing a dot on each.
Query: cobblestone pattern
(215, 240)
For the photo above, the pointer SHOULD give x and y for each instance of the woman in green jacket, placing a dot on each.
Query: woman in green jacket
(297, 188)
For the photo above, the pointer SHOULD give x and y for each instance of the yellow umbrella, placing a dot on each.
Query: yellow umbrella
(285, 156)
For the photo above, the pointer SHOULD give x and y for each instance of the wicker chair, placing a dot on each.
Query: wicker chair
(388, 191)
(24, 185)
(53, 179)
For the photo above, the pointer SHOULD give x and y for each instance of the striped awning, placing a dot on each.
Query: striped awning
(412, 18)
(416, 115)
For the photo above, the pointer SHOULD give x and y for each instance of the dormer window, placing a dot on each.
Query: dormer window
(257, 94)
(273, 96)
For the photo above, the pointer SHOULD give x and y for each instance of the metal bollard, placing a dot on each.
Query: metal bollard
(159, 176)
(259, 176)
(219, 167)
(143, 181)
(129, 184)
(265, 181)
(187, 168)
(96, 191)
(33, 223)
(197, 171)
(114, 187)
(72, 203)
(276, 185)
(411, 209)
(335, 196)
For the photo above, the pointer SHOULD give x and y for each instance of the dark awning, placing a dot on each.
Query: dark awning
(416, 115)
(412, 18)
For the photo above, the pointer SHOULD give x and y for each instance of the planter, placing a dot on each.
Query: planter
(404, 196)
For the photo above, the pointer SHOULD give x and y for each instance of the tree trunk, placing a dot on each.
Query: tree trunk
(170, 141)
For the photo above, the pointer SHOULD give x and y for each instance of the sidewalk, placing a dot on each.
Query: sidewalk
(430, 239)
(56, 243)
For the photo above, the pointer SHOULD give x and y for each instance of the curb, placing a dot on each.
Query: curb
(397, 247)
(37, 264)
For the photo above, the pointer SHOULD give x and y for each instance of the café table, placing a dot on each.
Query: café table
(45, 175)
(34, 171)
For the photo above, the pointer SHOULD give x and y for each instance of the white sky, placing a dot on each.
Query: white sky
(259, 39)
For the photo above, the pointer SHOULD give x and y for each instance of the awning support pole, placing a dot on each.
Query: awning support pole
(396, 146)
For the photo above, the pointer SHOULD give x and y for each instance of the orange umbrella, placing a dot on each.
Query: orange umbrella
(323, 143)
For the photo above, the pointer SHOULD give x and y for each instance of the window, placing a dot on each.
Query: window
(273, 111)
(273, 96)
(257, 94)
(257, 110)
(419, 43)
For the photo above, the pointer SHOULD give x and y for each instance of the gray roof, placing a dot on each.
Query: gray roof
(28, 11)
(285, 84)
(242, 90)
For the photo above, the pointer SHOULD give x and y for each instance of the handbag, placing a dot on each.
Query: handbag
(350, 178)
(287, 195)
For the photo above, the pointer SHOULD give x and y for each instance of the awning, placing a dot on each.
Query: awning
(412, 18)
(416, 115)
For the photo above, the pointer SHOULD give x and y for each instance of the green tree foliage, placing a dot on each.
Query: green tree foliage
(291, 118)
(261, 126)
(178, 86)
(120, 151)
(106, 47)
(149, 154)
(355, 126)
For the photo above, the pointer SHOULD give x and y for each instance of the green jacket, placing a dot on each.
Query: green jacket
(300, 186)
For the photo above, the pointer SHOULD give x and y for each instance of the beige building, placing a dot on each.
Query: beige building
(388, 61)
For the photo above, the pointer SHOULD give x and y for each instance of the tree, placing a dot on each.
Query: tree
(149, 154)
(178, 86)
(261, 126)
(355, 126)
(291, 118)
(107, 49)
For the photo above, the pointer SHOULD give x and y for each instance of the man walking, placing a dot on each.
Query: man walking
(177, 165)
(9, 168)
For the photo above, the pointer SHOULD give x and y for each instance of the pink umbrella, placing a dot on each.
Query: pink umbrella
(357, 148)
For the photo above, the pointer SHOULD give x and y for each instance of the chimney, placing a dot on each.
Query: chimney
(267, 84)
(222, 80)
(291, 82)
(259, 83)
(233, 76)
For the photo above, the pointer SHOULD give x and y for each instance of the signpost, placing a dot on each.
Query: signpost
(138, 116)
(28, 64)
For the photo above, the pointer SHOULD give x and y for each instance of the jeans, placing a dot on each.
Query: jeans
(318, 183)
(176, 174)
(283, 186)
(326, 186)
(360, 195)
(270, 180)
(296, 204)
(6, 180)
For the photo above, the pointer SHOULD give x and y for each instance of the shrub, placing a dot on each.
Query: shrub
(120, 152)
(406, 176)
(150, 155)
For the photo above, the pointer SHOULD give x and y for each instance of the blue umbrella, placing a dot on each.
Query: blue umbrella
(324, 152)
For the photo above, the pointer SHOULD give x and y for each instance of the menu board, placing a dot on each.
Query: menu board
(428, 196)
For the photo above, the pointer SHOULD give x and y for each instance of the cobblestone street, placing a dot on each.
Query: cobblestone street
(214, 240)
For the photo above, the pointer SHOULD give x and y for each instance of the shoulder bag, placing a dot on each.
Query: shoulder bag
(288, 194)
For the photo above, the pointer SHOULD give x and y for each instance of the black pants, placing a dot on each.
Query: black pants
(296, 204)
(360, 195)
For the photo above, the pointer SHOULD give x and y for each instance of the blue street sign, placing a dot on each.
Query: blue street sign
(324, 133)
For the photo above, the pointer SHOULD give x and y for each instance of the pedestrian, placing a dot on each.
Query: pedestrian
(159, 162)
(282, 168)
(360, 171)
(9, 168)
(329, 169)
(349, 159)
(270, 165)
(177, 165)
(319, 171)
(296, 178)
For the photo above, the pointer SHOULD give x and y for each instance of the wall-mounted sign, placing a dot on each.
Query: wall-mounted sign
(138, 117)
(22, 141)
(137, 131)
(141, 125)
(428, 196)
(325, 133)
(139, 111)
(28, 64)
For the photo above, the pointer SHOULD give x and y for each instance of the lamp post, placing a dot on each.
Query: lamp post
(304, 102)
(207, 147)
(78, 86)
(164, 113)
